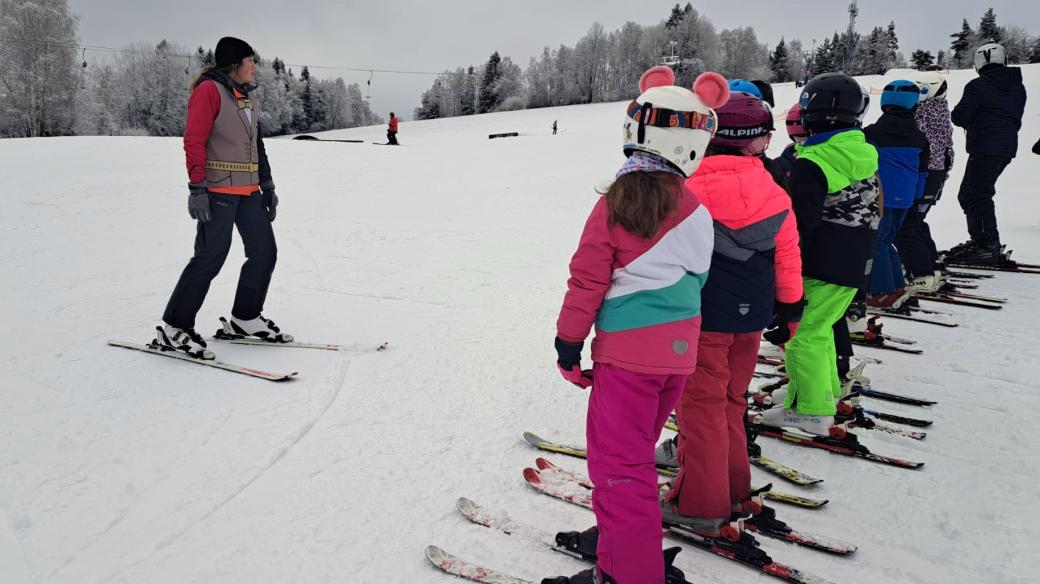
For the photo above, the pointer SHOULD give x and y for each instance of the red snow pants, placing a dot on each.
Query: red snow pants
(714, 471)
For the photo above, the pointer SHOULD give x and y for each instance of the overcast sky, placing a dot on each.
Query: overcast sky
(436, 35)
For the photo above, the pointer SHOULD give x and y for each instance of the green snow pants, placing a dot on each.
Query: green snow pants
(812, 362)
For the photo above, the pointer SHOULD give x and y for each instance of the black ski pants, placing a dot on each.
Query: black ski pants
(212, 244)
(976, 195)
(391, 138)
(914, 241)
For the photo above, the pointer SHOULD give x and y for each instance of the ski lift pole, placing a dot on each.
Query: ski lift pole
(83, 72)
(368, 92)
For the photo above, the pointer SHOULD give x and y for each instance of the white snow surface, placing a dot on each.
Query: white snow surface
(122, 467)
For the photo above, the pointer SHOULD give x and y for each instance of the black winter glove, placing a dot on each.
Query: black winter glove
(786, 316)
(270, 202)
(198, 202)
(568, 361)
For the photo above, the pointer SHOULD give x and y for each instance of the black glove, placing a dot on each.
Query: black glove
(786, 316)
(568, 361)
(198, 202)
(270, 202)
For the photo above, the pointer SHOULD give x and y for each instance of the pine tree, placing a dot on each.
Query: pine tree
(488, 97)
(921, 59)
(468, 106)
(307, 97)
(989, 32)
(675, 17)
(961, 45)
(778, 63)
(940, 58)
(892, 52)
(1034, 55)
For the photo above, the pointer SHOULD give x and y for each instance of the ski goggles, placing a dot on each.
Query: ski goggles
(648, 115)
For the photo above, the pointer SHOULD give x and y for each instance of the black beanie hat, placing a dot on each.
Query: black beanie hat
(231, 51)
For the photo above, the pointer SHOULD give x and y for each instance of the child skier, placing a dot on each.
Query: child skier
(917, 249)
(903, 158)
(796, 132)
(637, 274)
(834, 193)
(756, 270)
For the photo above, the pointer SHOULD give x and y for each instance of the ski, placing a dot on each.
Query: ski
(856, 417)
(763, 399)
(847, 446)
(157, 350)
(910, 316)
(1010, 266)
(774, 528)
(876, 341)
(945, 299)
(974, 296)
(580, 452)
(894, 397)
(501, 522)
(767, 464)
(226, 334)
(459, 567)
(898, 419)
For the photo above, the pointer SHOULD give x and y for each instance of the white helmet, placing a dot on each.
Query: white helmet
(932, 84)
(988, 54)
(672, 122)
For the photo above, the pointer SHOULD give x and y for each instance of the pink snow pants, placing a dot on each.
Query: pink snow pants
(627, 411)
(714, 471)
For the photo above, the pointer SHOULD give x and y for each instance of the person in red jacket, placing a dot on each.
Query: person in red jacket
(391, 132)
(755, 279)
(230, 186)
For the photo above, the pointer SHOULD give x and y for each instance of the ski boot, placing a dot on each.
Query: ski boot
(187, 341)
(667, 453)
(781, 417)
(582, 544)
(260, 328)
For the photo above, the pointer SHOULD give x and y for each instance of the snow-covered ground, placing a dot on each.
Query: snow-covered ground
(122, 467)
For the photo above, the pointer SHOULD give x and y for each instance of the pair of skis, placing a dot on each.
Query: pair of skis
(226, 335)
(575, 489)
(775, 467)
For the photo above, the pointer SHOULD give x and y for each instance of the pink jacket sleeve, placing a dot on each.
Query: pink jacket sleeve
(788, 260)
(203, 107)
(591, 269)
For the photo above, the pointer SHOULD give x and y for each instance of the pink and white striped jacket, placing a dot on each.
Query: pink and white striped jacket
(644, 296)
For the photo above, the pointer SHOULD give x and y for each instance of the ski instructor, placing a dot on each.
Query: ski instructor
(229, 186)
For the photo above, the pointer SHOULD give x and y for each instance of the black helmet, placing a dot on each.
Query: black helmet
(832, 101)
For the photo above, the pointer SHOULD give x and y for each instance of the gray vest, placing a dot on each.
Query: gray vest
(232, 159)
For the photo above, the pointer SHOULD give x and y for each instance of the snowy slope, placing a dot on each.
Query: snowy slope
(122, 467)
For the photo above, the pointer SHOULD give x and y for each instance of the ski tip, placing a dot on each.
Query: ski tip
(436, 554)
(532, 476)
(533, 439)
(466, 505)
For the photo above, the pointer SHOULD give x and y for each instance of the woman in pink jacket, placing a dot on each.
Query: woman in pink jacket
(637, 275)
(756, 273)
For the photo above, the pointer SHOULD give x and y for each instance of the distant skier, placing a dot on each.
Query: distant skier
(554, 127)
(991, 111)
(230, 186)
(391, 132)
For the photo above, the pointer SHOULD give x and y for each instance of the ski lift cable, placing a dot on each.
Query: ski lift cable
(136, 52)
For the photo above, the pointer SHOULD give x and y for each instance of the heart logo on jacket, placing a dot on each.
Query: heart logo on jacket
(680, 347)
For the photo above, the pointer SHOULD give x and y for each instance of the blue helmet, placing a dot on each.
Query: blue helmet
(745, 86)
(901, 93)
